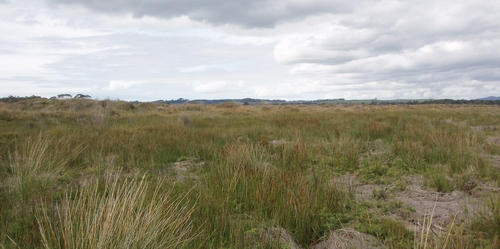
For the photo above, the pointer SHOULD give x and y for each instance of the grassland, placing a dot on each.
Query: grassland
(112, 174)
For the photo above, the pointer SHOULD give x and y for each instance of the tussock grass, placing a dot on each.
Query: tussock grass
(35, 167)
(250, 179)
(488, 219)
(115, 214)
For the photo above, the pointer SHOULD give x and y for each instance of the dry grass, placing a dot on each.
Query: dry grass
(114, 214)
(36, 167)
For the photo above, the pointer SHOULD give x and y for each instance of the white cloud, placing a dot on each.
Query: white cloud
(226, 67)
(210, 87)
(217, 86)
(116, 85)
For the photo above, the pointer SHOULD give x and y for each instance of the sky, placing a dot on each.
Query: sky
(149, 50)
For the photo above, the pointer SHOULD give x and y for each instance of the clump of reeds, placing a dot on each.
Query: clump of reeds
(267, 184)
(227, 105)
(487, 220)
(115, 214)
(35, 166)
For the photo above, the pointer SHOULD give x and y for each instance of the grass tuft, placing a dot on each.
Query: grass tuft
(115, 214)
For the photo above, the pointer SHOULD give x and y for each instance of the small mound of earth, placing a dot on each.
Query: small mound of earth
(349, 238)
(494, 160)
(441, 207)
(493, 140)
(276, 143)
(450, 121)
(271, 234)
(183, 169)
(484, 128)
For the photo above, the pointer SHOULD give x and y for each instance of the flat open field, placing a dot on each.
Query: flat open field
(113, 174)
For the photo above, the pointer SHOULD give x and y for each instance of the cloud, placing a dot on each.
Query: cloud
(256, 13)
(294, 49)
(116, 85)
(217, 86)
(427, 47)
(226, 67)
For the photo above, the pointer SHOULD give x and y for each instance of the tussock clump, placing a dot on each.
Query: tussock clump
(266, 108)
(79, 105)
(143, 106)
(186, 108)
(227, 105)
(114, 214)
(6, 115)
(191, 107)
(36, 166)
(290, 108)
(184, 120)
(163, 109)
(487, 219)
(124, 106)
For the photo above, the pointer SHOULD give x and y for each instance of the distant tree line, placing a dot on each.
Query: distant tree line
(440, 101)
(250, 101)
(12, 99)
(68, 96)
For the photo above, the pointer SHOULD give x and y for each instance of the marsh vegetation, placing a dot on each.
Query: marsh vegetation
(81, 173)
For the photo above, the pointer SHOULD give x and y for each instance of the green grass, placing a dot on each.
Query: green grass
(488, 220)
(100, 174)
(265, 184)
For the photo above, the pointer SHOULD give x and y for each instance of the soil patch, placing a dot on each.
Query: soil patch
(183, 170)
(443, 208)
(349, 238)
(484, 128)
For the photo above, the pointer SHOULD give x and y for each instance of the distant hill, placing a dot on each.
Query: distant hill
(490, 98)
(249, 101)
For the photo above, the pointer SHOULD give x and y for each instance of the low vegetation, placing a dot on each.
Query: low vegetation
(83, 173)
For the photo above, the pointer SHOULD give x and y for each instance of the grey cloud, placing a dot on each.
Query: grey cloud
(438, 46)
(256, 13)
(486, 74)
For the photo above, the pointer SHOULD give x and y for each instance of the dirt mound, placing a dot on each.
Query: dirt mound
(494, 160)
(484, 128)
(349, 238)
(442, 208)
(183, 170)
(493, 140)
(275, 234)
